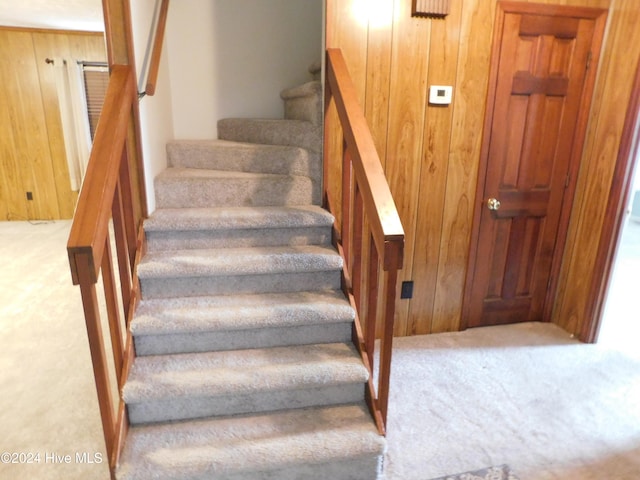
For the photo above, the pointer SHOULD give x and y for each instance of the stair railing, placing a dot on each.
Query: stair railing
(108, 212)
(366, 199)
(106, 203)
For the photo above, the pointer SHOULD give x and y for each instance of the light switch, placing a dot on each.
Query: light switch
(440, 94)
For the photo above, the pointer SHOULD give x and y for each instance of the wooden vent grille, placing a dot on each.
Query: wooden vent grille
(430, 8)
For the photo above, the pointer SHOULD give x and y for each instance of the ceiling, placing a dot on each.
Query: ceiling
(52, 14)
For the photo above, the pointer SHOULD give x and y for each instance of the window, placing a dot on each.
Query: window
(95, 78)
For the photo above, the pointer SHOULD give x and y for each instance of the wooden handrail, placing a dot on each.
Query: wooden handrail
(154, 66)
(93, 211)
(366, 197)
(385, 221)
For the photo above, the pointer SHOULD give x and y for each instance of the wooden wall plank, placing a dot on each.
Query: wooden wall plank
(468, 118)
(72, 47)
(620, 57)
(346, 29)
(407, 106)
(378, 85)
(443, 65)
(12, 200)
(44, 46)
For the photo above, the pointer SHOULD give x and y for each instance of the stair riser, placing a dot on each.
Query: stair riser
(258, 159)
(264, 237)
(240, 284)
(304, 135)
(304, 108)
(364, 468)
(191, 408)
(201, 192)
(241, 339)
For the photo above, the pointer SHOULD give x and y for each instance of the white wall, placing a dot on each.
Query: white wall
(155, 112)
(231, 58)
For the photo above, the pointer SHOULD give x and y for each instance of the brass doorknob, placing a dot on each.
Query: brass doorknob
(493, 204)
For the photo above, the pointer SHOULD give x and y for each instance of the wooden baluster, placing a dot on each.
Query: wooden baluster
(115, 326)
(126, 190)
(390, 278)
(358, 225)
(96, 347)
(345, 234)
(372, 302)
(326, 168)
(122, 249)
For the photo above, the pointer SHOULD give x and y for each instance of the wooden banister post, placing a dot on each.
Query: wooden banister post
(358, 225)
(122, 248)
(372, 301)
(386, 342)
(345, 230)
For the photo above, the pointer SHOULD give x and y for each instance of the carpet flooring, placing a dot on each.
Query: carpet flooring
(524, 395)
(501, 472)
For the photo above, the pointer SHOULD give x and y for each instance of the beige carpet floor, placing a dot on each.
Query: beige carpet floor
(48, 402)
(524, 395)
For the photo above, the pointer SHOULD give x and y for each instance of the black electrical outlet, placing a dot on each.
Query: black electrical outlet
(29, 195)
(407, 290)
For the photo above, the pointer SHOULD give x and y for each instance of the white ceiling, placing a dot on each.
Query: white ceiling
(52, 14)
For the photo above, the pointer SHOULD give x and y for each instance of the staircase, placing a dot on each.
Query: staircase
(245, 367)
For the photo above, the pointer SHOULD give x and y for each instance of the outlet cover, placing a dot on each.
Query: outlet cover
(407, 290)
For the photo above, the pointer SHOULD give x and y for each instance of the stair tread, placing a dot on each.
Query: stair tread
(239, 312)
(238, 261)
(238, 372)
(225, 218)
(212, 447)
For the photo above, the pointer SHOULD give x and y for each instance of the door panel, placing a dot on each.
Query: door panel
(542, 64)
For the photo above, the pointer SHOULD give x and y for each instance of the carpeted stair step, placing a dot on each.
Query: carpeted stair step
(337, 442)
(303, 102)
(227, 271)
(189, 187)
(315, 69)
(298, 133)
(194, 385)
(227, 322)
(243, 157)
(189, 228)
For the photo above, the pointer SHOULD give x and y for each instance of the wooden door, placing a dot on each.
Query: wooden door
(540, 86)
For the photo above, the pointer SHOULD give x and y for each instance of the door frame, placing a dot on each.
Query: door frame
(611, 232)
(599, 15)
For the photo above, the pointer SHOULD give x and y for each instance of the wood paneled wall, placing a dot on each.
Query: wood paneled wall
(431, 153)
(32, 155)
(620, 57)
